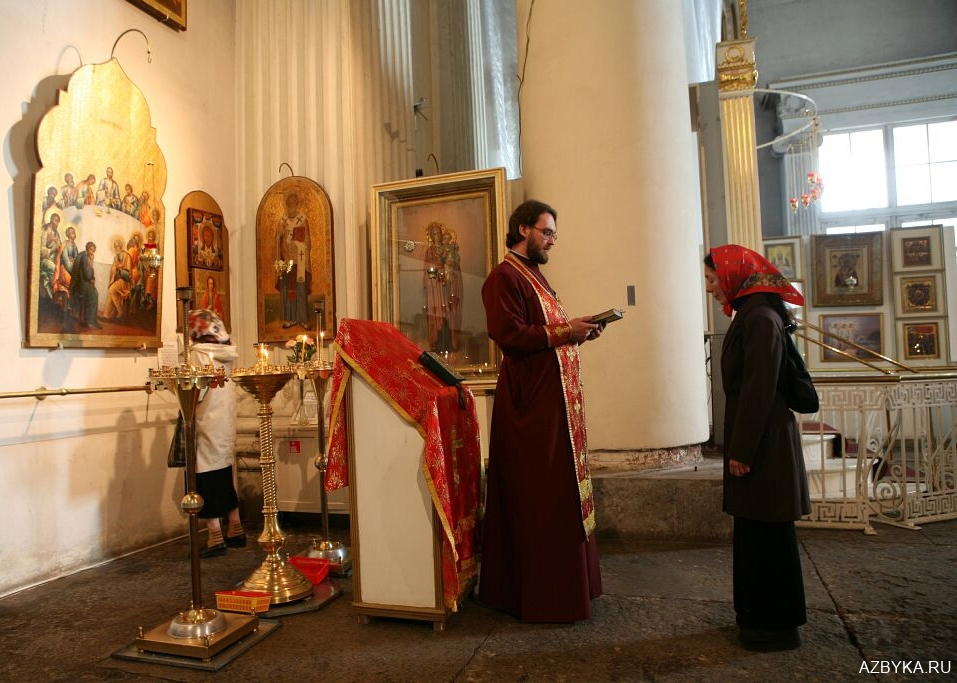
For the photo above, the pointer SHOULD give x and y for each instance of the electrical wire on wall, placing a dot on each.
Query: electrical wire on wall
(521, 79)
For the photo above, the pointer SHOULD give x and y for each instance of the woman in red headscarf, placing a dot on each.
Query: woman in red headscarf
(765, 484)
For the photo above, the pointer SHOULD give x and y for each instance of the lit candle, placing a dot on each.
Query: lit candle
(322, 337)
(262, 354)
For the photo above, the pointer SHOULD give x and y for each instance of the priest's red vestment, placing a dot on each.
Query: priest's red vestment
(539, 556)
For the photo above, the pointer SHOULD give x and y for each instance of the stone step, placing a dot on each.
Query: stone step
(678, 504)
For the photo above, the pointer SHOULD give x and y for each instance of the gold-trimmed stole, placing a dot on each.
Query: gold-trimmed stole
(558, 330)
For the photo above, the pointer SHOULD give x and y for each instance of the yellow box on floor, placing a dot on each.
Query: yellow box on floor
(247, 602)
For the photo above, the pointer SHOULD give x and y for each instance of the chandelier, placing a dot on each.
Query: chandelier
(804, 183)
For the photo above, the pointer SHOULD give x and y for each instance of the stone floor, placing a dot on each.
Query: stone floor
(666, 615)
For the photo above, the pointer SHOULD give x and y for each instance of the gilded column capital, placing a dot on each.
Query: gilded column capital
(737, 69)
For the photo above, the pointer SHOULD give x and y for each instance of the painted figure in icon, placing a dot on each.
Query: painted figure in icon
(120, 287)
(108, 192)
(50, 242)
(846, 275)
(294, 243)
(206, 253)
(83, 288)
(442, 282)
(210, 298)
(86, 192)
(63, 272)
(68, 192)
(130, 203)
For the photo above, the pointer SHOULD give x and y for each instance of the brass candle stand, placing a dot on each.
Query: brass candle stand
(324, 547)
(274, 575)
(197, 632)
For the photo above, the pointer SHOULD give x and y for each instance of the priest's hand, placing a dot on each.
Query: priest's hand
(583, 330)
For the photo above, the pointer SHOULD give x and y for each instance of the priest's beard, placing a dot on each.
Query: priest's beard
(537, 255)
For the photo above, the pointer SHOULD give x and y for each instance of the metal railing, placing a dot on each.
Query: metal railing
(882, 447)
(42, 392)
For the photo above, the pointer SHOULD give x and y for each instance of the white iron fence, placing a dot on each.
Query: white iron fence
(882, 449)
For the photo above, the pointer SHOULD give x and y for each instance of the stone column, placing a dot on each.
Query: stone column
(607, 140)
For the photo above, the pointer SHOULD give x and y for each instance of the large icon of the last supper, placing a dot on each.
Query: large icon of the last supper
(98, 212)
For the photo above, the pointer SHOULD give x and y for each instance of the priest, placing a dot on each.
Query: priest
(539, 557)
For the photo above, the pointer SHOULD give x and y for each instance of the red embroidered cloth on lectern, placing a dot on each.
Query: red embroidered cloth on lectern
(388, 361)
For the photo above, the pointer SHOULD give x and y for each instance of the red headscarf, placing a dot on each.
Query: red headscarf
(742, 272)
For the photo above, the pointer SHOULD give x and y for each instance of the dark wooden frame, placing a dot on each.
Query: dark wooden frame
(169, 12)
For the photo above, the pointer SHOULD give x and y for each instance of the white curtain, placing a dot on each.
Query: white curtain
(702, 22)
(327, 88)
(496, 85)
(477, 86)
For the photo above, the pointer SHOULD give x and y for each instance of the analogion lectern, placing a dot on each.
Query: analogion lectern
(409, 451)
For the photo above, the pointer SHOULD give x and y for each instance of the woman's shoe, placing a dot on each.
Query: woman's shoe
(217, 550)
(236, 541)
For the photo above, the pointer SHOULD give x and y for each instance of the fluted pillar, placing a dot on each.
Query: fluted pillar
(606, 138)
(736, 81)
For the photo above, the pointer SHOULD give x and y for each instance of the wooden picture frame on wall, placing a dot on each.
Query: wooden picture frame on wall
(860, 329)
(169, 12)
(848, 269)
(202, 256)
(916, 248)
(919, 294)
(786, 255)
(434, 240)
(923, 342)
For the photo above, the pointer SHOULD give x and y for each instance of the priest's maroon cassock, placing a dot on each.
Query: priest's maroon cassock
(539, 558)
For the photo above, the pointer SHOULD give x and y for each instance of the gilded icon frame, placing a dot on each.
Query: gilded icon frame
(280, 315)
(919, 294)
(848, 269)
(787, 256)
(923, 342)
(107, 193)
(434, 241)
(195, 269)
(864, 329)
(916, 248)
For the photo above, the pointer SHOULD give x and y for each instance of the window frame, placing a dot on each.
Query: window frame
(893, 215)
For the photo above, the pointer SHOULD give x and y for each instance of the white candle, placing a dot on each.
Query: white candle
(322, 336)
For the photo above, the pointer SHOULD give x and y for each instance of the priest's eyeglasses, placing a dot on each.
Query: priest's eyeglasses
(547, 233)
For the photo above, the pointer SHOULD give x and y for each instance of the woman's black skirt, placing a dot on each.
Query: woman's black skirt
(218, 492)
(768, 584)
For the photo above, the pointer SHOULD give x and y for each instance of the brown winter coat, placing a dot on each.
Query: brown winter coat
(759, 429)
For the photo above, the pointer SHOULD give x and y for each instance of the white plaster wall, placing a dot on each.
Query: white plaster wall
(84, 478)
